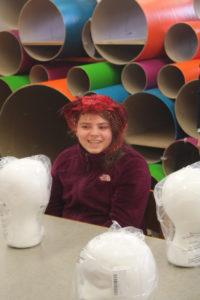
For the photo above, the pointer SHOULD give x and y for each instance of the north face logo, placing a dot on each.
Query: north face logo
(105, 177)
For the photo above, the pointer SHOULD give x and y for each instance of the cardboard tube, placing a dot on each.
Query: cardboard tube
(51, 29)
(9, 12)
(30, 123)
(197, 7)
(151, 154)
(173, 76)
(82, 79)
(138, 76)
(151, 119)
(88, 43)
(116, 92)
(14, 60)
(60, 85)
(50, 71)
(3, 25)
(9, 84)
(182, 41)
(186, 105)
(135, 30)
(179, 154)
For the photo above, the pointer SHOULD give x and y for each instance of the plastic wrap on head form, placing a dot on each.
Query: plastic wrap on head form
(177, 199)
(117, 264)
(25, 185)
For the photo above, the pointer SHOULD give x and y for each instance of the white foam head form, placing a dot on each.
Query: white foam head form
(116, 265)
(180, 198)
(24, 194)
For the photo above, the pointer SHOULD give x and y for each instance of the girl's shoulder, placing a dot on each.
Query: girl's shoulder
(131, 154)
(67, 155)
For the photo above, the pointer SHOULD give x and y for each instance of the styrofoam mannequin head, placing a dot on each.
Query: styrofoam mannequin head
(180, 198)
(24, 194)
(116, 265)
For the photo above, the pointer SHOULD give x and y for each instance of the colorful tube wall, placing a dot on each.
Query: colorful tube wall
(130, 55)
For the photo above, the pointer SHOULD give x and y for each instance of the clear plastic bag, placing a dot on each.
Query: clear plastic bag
(25, 186)
(117, 264)
(177, 199)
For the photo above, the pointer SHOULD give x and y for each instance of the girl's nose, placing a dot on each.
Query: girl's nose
(94, 131)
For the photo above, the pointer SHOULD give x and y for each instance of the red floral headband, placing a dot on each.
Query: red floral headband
(93, 104)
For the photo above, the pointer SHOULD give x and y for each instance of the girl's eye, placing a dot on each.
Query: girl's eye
(85, 126)
(103, 127)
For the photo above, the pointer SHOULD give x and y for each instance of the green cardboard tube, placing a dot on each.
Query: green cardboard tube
(9, 84)
(82, 79)
(156, 171)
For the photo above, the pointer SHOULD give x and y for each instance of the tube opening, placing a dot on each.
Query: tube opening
(150, 122)
(179, 154)
(123, 33)
(38, 74)
(78, 81)
(10, 53)
(134, 78)
(9, 12)
(170, 80)
(179, 46)
(42, 30)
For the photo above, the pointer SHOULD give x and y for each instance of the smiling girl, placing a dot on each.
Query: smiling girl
(100, 179)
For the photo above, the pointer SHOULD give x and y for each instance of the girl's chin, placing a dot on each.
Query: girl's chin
(94, 151)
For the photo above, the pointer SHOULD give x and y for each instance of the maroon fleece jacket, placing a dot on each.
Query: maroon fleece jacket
(82, 190)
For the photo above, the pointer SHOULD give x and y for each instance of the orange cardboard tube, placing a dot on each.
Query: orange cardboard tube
(135, 30)
(60, 85)
(30, 123)
(173, 76)
(182, 41)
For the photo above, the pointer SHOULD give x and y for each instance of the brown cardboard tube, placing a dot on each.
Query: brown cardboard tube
(186, 108)
(78, 81)
(38, 73)
(179, 154)
(6, 90)
(197, 7)
(9, 12)
(173, 76)
(11, 53)
(142, 75)
(151, 154)
(88, 43)
(150, 122)
(122, 34)
(42, 29)
(182, 41)
(170, 80)
(134, 78)
(30, 123)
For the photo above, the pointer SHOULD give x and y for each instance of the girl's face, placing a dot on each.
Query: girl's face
(94, 133)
